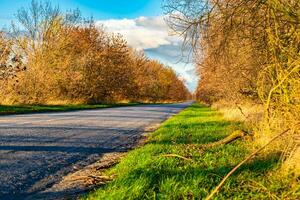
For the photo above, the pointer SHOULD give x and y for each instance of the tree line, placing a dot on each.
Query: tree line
(54, 57)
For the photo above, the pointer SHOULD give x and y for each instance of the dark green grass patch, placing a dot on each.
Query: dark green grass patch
(146, 174)
(22, 109)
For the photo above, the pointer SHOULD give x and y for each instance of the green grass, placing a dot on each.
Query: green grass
(145, 174)
(21, 109)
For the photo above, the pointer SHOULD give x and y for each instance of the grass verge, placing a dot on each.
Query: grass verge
(146, 174)
(22, 109)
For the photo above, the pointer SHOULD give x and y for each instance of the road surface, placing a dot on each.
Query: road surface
(37, 150)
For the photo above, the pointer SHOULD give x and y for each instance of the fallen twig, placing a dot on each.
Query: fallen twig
(177, 156)
(231, 138)
(241, 163)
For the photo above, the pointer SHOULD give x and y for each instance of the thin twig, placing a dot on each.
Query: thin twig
(177, 156)
(241, 110)
(241, 163)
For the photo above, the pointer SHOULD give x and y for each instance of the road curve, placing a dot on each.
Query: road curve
(37, 150)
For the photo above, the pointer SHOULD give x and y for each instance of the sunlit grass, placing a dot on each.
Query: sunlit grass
(20, 109)
(145, 174)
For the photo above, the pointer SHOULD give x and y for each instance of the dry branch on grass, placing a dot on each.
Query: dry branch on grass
(176, 156)
(229, 139)
(238, 134)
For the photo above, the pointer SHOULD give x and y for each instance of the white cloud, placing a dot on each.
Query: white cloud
(151, 35)
(143, 32)
(186, 73)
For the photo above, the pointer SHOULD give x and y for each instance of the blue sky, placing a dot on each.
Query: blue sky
(141, 22)
(100, 9)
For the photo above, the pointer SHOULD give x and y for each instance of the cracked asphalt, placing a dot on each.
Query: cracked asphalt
(37, 150)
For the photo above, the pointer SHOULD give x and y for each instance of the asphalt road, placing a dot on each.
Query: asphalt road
(37, 150)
